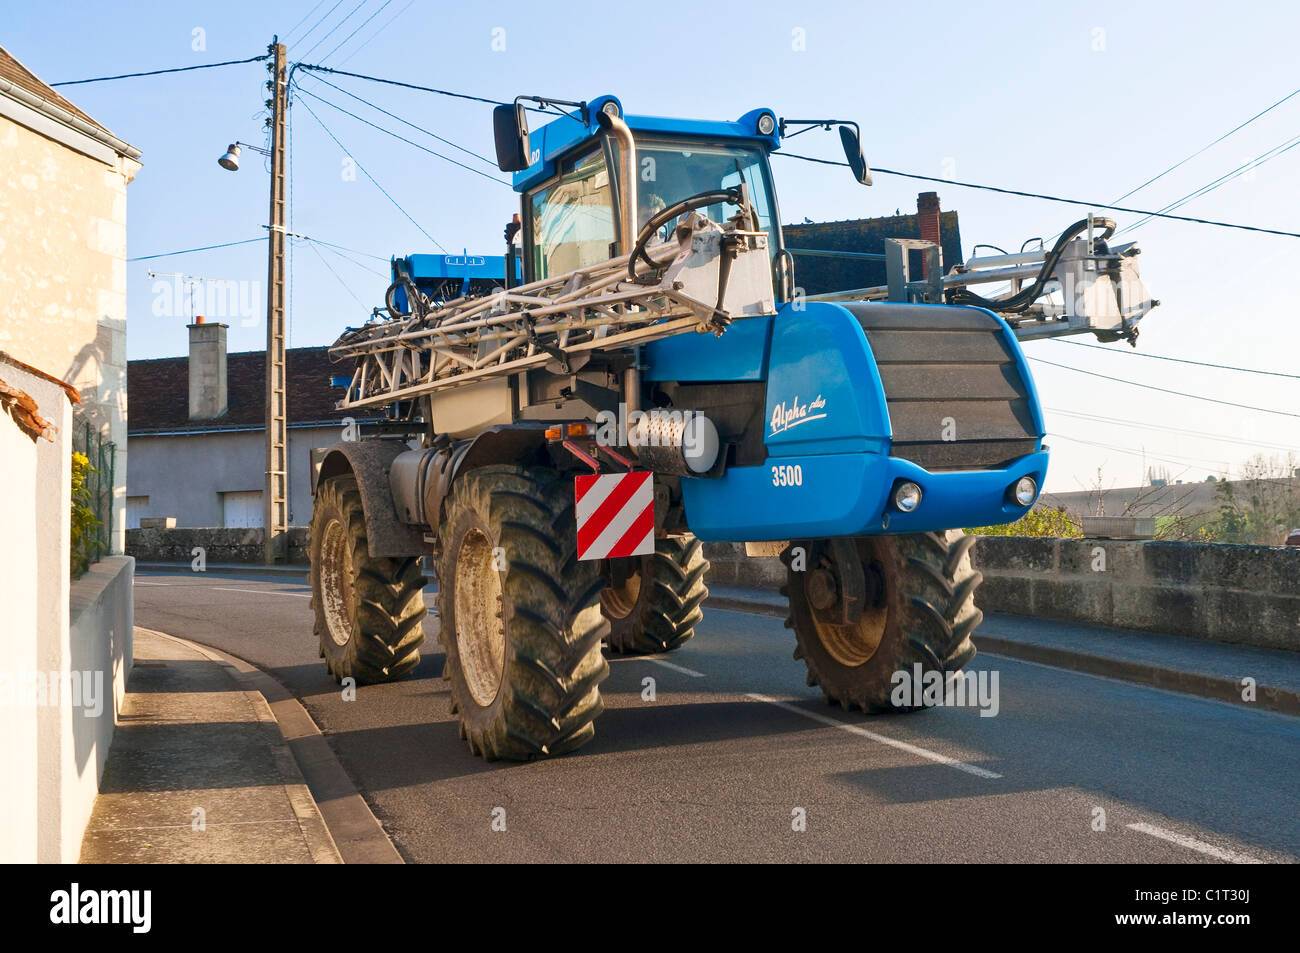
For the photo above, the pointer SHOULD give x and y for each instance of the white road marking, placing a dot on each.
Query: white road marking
(139, 583)
(674, 666)
(263, 592)
(882, 739)
(1191, 843)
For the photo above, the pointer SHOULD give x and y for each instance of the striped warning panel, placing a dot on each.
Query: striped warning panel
(616, 515)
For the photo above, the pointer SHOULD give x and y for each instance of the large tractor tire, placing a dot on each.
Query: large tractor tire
(919, 609)
(369, 610)
(520, 615)
(657, 607)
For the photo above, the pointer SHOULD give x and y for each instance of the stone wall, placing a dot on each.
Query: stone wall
(220, 545)
(1249, 595)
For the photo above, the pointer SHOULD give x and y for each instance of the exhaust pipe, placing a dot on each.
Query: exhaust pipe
(615, 127)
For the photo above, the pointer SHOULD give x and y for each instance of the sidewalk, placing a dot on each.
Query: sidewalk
(1174, 662)
(199, 771)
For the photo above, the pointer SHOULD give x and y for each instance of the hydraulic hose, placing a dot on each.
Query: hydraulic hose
(1024, 298)
(665, 215)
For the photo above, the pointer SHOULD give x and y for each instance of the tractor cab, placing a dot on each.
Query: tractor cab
(592, 179)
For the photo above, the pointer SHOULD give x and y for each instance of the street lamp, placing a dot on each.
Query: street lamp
(275, 521)
(231, 159)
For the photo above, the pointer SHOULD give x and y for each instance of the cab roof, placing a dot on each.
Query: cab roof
(549, 144)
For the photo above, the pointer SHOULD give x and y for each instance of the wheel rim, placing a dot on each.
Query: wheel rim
(619, 601)
(854, 645)
(480, 630)
(336, 582)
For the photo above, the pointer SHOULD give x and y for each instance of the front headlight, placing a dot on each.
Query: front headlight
(1025, 490)
(907, 497)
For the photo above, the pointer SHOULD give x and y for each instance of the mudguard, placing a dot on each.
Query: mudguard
(519, 442)
(370, 461)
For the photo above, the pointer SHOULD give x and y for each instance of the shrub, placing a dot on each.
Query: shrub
(1039, 522)
(85, 545)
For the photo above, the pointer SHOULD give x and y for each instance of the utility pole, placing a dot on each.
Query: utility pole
(276, 513)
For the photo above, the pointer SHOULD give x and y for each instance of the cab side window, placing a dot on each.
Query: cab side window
(572, 219)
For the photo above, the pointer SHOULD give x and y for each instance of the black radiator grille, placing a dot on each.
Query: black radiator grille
(951, 368)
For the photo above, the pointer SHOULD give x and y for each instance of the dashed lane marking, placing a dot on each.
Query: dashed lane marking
(1191, 843)
(263, 592)
(674, 666)
(882, 739)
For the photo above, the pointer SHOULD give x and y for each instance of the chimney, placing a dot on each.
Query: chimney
(207, 370)
(927, 218)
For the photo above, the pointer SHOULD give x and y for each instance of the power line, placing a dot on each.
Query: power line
(336, 275)
(324, 17)
(356, 31)
(1163, 390)
(1177, 360)
(1224, 179)
(321, 241)
(335, 27)
(1051, 198)
(289, 32)
(1173, 459)
(349, 258)
(394, 82)
(338, 250)
(377, 32)
(159, 72)
(1204, 148)
(372, 179)
(186, 251)
(409, 142)
(1195, 434)
(406, 122)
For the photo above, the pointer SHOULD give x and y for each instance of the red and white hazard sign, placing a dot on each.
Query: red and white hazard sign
(616, 515)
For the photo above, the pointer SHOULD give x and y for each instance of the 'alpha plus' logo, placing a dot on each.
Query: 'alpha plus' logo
(75, 906)
(783, 417)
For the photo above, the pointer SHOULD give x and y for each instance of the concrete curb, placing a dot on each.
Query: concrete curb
(1219, 688)
(736, 604)
(336, 821)
(1281, 700)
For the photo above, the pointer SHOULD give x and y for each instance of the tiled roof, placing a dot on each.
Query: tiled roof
(21, 76)
(158, 392)
(820, 275)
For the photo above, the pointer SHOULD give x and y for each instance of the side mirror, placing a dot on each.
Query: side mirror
(510, 129)
(852, 152)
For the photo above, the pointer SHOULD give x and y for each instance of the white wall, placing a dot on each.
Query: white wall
(99, 641)
(35, 498)
(185, 475)
(53, 750)
(63, 278)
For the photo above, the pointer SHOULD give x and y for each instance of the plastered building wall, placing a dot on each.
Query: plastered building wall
(63, 279)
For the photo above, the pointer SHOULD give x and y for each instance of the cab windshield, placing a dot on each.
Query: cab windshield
(670, 171)
(571, 218)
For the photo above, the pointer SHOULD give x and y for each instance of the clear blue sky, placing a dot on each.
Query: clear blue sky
(1083, 100)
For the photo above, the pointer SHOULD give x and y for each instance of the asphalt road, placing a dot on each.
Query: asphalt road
(734, 749)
